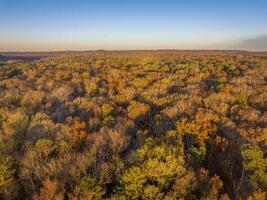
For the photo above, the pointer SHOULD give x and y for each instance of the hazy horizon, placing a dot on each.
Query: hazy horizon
(137, 25)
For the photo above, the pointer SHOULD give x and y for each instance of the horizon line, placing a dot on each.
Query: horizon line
(119, 50)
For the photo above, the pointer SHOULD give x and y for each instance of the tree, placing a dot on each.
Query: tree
(257, 195)
(154, 167)
(49, 191)
(7, 177)
(254, 162)
(88, 189)
(137, 109)
(44, 147)
(16, 123)
(78, 134)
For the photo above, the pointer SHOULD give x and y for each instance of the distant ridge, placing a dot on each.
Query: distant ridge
(28, 56)
(6, 57)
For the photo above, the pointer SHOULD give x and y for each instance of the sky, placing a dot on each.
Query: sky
(56, 25)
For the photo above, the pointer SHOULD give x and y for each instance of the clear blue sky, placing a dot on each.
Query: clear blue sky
(35, 25)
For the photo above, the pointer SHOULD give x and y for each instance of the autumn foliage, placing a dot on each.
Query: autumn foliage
(134, 125)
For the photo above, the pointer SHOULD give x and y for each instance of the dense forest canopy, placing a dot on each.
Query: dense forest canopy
(134, 125)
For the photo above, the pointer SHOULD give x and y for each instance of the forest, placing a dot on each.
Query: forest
(119, 125)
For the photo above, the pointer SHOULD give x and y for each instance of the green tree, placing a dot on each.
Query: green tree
(154, 168)
(88, 188)
(254, 162)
